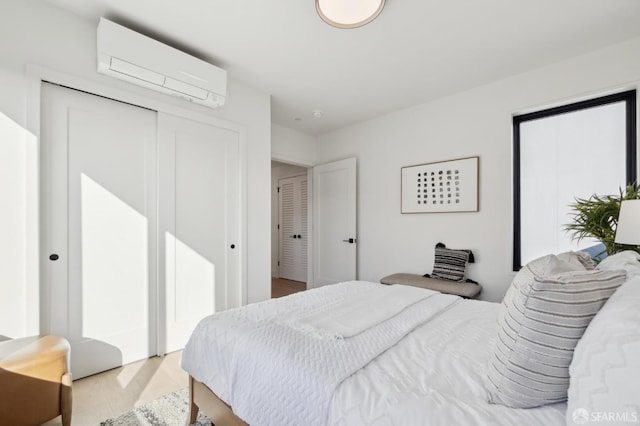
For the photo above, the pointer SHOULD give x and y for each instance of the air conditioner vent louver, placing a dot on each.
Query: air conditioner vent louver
(135, 71)
(185, 88)
(138, 59)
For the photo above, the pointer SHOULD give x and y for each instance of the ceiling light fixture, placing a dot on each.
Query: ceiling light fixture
(349, 13)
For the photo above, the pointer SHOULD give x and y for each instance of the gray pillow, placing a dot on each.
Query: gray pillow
(539, 329)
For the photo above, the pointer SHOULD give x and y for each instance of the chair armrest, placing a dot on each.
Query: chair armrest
(35, 383)
(39, 357)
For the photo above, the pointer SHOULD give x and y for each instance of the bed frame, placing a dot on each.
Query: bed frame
(203, 398)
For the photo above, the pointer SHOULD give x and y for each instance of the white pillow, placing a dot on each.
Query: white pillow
(529, 366)
(628, 260)
(550, 264)
(605, 371)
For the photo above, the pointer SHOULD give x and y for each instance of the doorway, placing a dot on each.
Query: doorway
(289, 223)
(331, 223)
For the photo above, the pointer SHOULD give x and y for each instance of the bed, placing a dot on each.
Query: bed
(431, 372)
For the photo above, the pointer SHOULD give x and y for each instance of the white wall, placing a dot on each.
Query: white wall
(279, 171)
(13, 288)
(291, 146)
(474, 122)
(33, 32)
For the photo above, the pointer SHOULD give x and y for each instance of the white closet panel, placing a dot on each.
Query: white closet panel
(199, 223)
(99, 222)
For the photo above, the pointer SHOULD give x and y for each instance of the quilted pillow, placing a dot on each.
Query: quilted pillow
(451, 264)
(605, 370)
(538, 332)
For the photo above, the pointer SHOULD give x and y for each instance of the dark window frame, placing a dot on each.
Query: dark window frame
(629, 97)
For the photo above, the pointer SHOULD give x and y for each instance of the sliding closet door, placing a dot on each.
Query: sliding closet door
(99, 227)
(199, 224)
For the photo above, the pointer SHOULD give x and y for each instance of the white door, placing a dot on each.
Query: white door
(293, 228)
(99, 221)
(199, 224)
(334, 222)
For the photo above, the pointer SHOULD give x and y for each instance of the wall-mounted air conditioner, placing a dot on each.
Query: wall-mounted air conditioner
(130, 56)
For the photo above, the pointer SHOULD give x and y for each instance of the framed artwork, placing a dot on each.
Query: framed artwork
(445, 186)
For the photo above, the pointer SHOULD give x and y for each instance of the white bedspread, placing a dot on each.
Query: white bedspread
(435, 376)
(273, 374)
(348, 318)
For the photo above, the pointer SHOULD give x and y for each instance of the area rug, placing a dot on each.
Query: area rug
(169, 410)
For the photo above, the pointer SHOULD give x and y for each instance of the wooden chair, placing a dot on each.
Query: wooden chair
(35, 382)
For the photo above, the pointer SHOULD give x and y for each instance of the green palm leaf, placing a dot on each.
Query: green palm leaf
(597, 217)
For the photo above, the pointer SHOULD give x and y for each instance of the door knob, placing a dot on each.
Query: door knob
(299, 236)
(350, 240)
(294, 236)
(54, 257)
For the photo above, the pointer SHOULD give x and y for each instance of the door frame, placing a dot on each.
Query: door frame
(35, 222)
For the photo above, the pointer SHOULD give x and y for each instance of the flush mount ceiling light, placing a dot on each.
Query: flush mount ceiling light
(349, 13)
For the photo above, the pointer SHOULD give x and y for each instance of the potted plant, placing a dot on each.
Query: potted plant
(597, 217)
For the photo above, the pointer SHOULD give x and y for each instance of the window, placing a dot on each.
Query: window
(563, 153)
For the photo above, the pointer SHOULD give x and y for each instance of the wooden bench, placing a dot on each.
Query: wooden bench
(465, 289)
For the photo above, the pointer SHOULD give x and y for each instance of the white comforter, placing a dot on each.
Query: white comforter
(272, 374)
(348, 318)
(435, 376)
(276, 370)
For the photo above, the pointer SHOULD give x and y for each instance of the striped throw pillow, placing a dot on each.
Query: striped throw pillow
(450, 264)
(550, 264)
(539, 331)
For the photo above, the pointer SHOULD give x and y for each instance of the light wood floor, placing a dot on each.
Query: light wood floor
(281, 287)
(114, 392)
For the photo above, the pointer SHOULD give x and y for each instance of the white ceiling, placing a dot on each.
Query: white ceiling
(417, 50)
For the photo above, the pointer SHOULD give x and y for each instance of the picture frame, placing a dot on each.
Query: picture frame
(449, 186)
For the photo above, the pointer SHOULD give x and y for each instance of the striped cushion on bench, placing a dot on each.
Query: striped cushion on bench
(450, 264)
